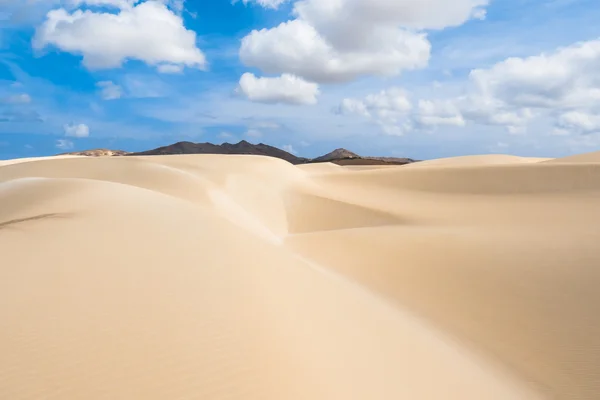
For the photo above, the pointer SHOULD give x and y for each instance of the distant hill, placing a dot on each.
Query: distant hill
(97, 153)
(338, 156)
(346, 157)
(242, 147)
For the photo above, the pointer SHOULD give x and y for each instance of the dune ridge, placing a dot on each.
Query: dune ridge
(246, 277)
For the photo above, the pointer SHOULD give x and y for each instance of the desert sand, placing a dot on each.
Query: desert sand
(245, 277)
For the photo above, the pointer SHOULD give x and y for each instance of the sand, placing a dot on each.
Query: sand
(244, 277)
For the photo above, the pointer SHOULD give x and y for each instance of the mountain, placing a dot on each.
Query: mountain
(346, 157)
(97, 153)
(338, 154)
(242, 147)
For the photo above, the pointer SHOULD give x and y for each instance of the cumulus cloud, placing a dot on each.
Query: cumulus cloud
(296, 47)
(64, 144)
(353, 106)
(336, 41)
(515, 91)
(77, 130)
(418, 14)
(148, 31)
(388, 109)
(284, 89)
(391, 110)
(566, 78)
(577, 121)
(109, 91)
(390, 101)
(435, 113)
(563, 84)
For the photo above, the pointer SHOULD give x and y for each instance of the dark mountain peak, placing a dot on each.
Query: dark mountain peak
(243, 147)
(337, 154)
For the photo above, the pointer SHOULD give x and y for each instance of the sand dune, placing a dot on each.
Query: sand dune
(243, 277)
(321, 168)
(579, 158)
(27, 159)
(490, 159)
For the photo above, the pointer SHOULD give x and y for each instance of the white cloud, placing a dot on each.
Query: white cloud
(77, 130)
(333, 41)
(109, 91)
(353, 106)
(577, 121)
(170, 68)
(430, 114)
(388, 109)
(566, 78)
(64, 144)
(297, 48)
(284, 89)
(289, 148)
(335, 17)
(435, 113)
(390, 101)
(517, 91)
(149, 32)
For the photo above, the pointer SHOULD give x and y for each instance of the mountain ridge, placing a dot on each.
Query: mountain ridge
(338, 156)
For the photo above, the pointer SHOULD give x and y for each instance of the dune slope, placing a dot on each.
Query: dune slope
(243, 277)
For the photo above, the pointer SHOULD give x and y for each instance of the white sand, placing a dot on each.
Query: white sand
(490, 159)
(241, 277)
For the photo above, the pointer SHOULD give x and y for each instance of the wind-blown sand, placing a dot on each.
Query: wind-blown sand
(243, 277)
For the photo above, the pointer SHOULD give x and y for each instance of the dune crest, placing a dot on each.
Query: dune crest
(246, 277)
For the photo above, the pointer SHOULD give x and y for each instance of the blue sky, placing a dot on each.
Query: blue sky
(421, 79)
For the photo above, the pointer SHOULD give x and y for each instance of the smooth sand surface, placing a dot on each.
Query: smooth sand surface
(243, 277)
(27, 159)
(579, 158)
(490, 159)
